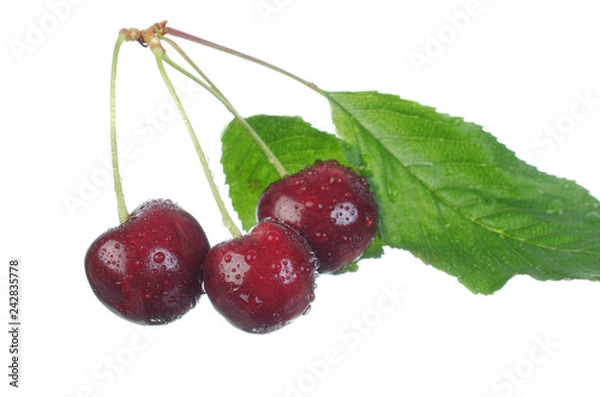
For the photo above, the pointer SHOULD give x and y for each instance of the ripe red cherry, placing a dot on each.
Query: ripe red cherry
(149, 269)
(331, 205)
(262, 281)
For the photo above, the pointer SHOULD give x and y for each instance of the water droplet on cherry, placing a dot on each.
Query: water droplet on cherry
(159, 257)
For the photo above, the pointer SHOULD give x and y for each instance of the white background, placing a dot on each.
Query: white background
(513, 67)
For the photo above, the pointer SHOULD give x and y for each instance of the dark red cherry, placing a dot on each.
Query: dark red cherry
(331, 205)
(149, 269)
(262, 281)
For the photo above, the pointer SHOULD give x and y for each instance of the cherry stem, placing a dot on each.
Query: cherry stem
(121, 207)
(214, 90)
(227, 219)
(195, 39)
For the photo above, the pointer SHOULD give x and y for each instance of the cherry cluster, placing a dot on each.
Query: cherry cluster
(154, 267)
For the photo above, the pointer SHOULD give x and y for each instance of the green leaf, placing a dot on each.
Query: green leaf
(295, 143)
(456, 198)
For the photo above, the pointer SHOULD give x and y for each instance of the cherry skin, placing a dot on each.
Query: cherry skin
(262, 281)
(331, 205)
(149, 269)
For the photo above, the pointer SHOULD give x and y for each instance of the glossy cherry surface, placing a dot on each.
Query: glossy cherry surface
(262, 281)
(149, 269)
(331, 205)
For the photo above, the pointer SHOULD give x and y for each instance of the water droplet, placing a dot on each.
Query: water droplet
(286, 274)
(393, 191)
(592, 217)
(227, 258)
(251, 257)
(276, 267)
(305, 270)
(306, 311)
(273, 236)
(159, 257)
(344, 214)
(555, 207)
(113, 255)
(236, 266)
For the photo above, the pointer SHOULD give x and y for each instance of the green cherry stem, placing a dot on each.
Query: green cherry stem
(121, 207)
(189, 60)
(214, 90)
(195, 39)
(227, 219)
